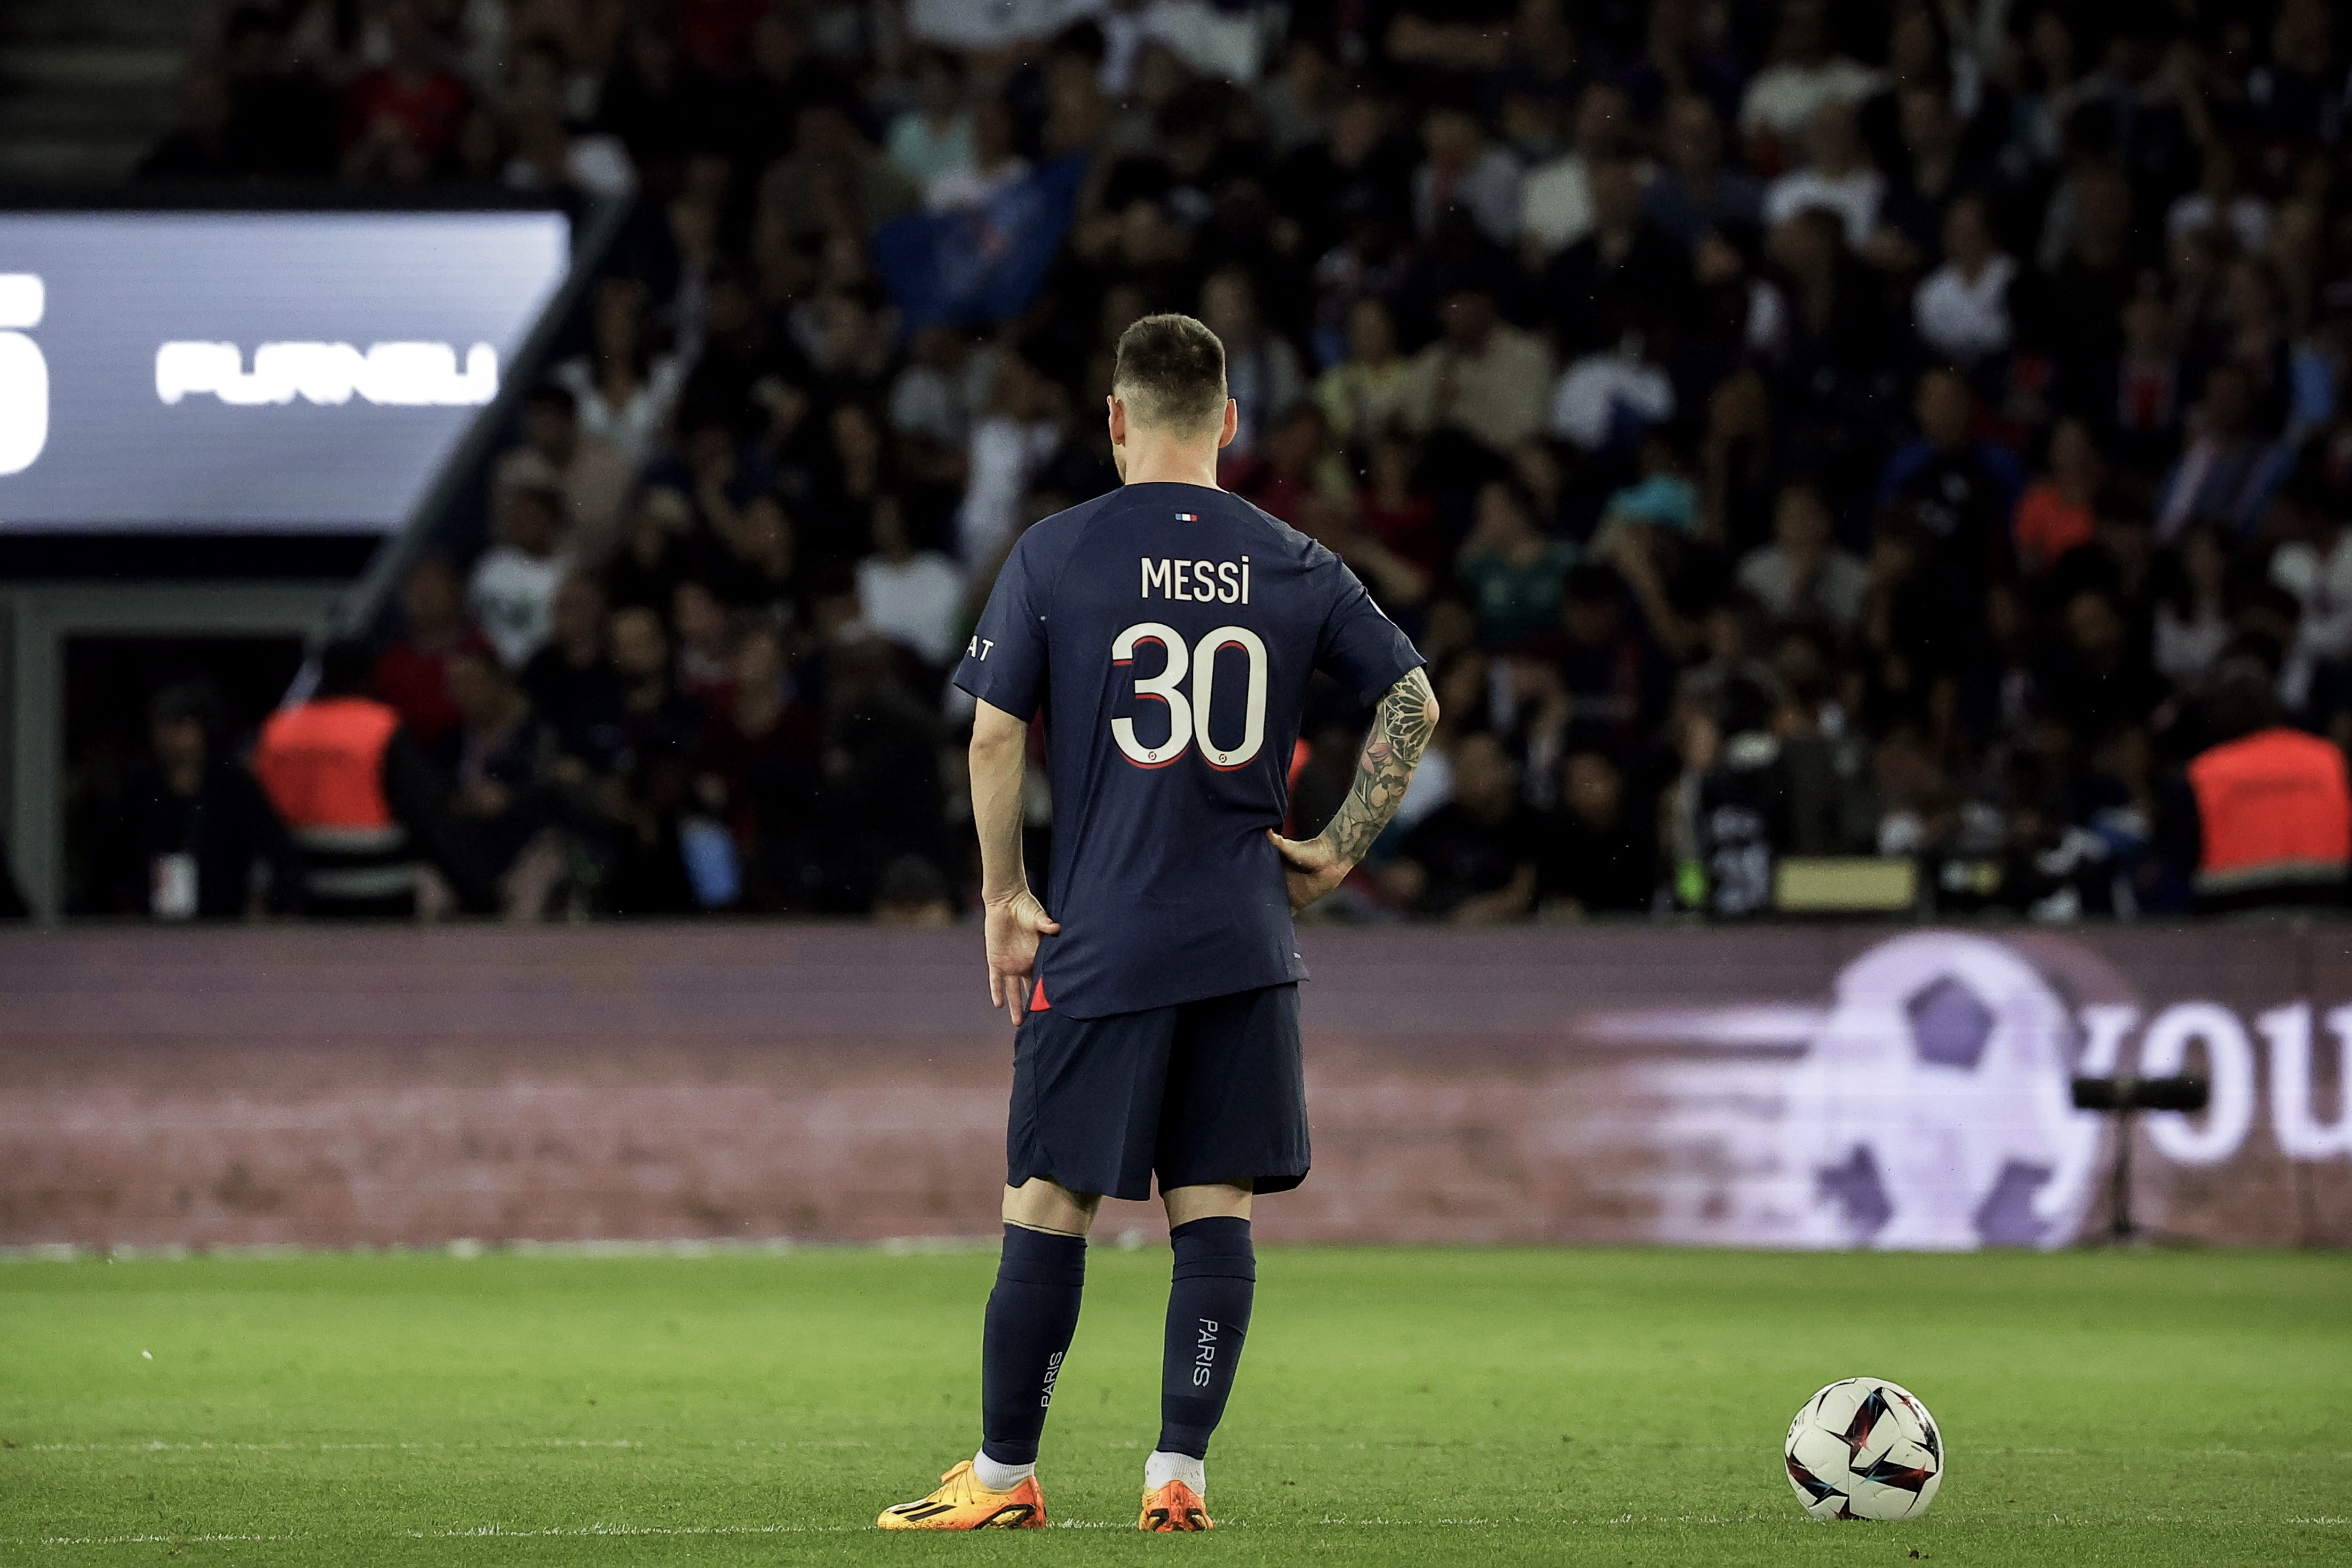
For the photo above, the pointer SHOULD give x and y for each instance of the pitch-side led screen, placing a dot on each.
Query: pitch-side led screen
(252, 372)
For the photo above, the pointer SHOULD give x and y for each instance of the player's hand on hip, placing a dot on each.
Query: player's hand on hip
(1013, 928)
(1311, 868)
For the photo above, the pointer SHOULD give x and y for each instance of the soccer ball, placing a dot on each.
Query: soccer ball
(1865, 1448)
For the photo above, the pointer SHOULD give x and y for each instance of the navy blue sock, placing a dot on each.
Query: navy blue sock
(1032, 1314)
(1208, 1313)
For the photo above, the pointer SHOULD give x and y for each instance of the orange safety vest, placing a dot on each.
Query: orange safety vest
(2274, 810)
(323, 762)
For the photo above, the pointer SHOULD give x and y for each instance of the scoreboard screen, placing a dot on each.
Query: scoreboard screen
(299, 372)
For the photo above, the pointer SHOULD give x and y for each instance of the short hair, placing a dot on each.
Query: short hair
(1171, 372)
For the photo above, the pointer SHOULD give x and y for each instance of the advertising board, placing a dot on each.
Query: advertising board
(1786, 1087)
(252, 372)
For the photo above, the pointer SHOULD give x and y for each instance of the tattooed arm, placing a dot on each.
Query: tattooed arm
(1401, 729)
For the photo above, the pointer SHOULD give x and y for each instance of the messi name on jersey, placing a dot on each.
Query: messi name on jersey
(1197, 582)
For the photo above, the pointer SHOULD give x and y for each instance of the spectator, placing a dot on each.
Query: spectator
(1744, 815)
(942, 390)
(623, 393)
(659, 104)
(1962, 310)
(1695, 194)
(1961, 490)
(1513, 572)
(549, 155)
(2222, 200)
(914, 597)
(1262, 371)
(1837, 174)
(1482, 381)
(1397, 514)
(2055, 515)
(571, 682)
(2100, 677)
(198, 839)
(359, 800)
(2314, 563)
(399, 120)
(831, 178)
(412, 673)
(1555, 201)
(1625, 275)
(514, 586)
(1800, 76)
(1285, 476)
(504, 775)
(1473, 861)
(881, 789)
(934, 137)
(557, 455)
(2229, 469)
(2192, 620)
(1600, 860)
(706, 645)
(1614, 679)
(1465, 171)
(1364, 394)
(2274, 818)
(1802, 573)
(1933, 169)
(1008, 447)
(991, 168)
(761, 744)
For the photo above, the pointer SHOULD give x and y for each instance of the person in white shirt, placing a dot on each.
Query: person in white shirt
(2316, 566)
(1802, 76)
(934, 137)
(511, 596)
(1802, 572)
(909, 595)
(623, 391)
(2221, 198)
(993, 165)
(2192, 622)
(1961, 309)
(1008, 445)
(1556, 198)
(1838, 175)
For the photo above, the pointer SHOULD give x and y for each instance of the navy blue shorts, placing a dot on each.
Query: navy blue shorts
(1203, 1091)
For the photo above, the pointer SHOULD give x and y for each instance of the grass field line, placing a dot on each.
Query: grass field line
(159, 1446)
(430, 1445)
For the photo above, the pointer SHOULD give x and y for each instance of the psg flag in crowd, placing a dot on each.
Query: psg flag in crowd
(981, 264)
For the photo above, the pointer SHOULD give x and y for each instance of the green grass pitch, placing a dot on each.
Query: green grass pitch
(1396, 1405)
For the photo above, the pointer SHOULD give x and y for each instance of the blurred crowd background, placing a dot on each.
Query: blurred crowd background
(1911, 432)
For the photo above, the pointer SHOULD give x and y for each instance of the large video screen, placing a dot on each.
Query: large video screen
(301, 373)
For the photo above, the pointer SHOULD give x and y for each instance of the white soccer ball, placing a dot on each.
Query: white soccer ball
(1865, 1448)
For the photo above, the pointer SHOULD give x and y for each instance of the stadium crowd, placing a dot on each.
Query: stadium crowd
(1797, 428)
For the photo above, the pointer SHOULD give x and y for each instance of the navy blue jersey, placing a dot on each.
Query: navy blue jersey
(1167, 632)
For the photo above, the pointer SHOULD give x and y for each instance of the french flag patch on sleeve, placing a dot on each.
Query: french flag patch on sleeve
(1188, 517)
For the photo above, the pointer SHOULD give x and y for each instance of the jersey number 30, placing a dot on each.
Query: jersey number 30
(1190, 718)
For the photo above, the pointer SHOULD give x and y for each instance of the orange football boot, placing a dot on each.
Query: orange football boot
(1174, 1507)
(963, 1503)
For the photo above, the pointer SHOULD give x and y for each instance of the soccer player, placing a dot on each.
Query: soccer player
(1164, 634)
